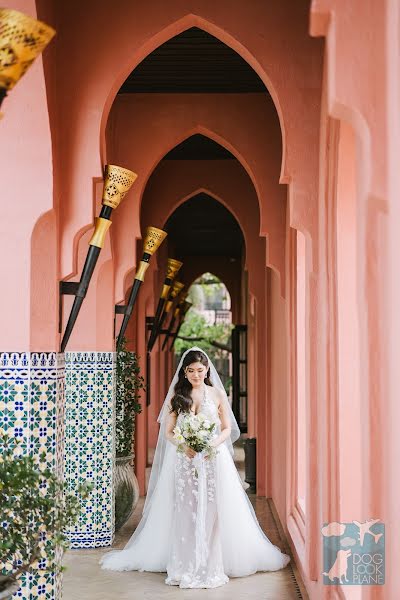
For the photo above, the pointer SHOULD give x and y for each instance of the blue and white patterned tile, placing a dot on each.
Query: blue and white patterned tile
(90, 443)
(31, 411)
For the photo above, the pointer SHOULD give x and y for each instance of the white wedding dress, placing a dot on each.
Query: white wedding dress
(200, 528)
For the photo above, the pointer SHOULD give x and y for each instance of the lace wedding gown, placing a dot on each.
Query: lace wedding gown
(201, 527)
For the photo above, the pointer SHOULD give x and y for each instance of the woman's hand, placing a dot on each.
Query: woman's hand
(189, 451)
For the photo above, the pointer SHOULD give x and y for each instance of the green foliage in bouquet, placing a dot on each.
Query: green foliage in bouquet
(129, 383)
(35, 511)
(196, 432)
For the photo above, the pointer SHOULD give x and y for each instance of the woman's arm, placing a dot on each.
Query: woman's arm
(169, 426)
(225, 420)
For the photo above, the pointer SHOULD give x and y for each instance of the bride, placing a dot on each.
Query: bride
(198, 524)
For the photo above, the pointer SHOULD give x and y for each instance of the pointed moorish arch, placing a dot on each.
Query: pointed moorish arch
(172, 30)
(136, 37)
(169, 210)
(123, 218)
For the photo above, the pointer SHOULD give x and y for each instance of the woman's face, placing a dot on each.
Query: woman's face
(196, 373)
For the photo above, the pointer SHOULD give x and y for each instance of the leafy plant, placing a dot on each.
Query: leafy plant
(129, 383)
(35, 511)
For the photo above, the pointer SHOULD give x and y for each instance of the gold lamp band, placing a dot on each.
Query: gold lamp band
(102, 226)
(117, 182)
(22, 39)
(140, 273)
(153, 240)
(165, 291)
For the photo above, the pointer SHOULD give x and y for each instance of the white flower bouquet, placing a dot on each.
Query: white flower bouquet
(195, 431)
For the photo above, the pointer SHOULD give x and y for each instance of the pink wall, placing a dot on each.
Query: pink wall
(301, 396)
(352, 446)
(361, 39)
(104, 67)
(278, 400)
(26, 161)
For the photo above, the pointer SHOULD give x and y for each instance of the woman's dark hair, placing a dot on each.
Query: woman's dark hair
(182, 401)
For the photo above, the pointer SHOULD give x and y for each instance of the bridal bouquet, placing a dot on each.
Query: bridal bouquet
(195, 431)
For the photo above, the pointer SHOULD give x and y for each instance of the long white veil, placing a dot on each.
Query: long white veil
(163, 445)
(139, 548)
(245, 547)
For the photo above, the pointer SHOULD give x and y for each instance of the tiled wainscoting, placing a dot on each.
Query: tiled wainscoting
(90, 443)
(32, 411)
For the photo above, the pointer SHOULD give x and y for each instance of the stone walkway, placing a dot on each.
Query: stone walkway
(85, 580)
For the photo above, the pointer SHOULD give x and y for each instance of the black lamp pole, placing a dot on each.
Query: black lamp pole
(174, 317)
(176, 289)
(185, 308)
(116, 184)
(153, 240)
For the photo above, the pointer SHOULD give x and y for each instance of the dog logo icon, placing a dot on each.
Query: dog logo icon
(339, 567)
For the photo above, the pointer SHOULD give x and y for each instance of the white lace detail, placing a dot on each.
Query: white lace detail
(198, 512)
(196, 558)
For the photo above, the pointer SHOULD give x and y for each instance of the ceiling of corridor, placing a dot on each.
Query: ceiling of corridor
(193, 62)
(199, 147)
(202, 226)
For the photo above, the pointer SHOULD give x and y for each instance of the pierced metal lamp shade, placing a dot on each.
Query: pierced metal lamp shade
(153, 239)
(117, 182)
(22, 39)
(173, 267)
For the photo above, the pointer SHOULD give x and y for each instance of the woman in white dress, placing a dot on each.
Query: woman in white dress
(198, 524)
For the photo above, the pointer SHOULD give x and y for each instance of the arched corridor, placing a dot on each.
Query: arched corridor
(263, 139)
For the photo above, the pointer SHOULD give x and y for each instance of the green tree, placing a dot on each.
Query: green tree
(194, 327)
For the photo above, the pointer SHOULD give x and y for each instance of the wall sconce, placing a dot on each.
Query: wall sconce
(184, 308)
(117, 182)
(173, 267)
(176, 289)
(153, 240)
(22, 39)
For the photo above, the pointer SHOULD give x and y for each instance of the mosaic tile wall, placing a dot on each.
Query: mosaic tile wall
(32, 410)
(90, 443)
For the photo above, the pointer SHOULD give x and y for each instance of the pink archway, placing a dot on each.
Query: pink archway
(173, 29)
